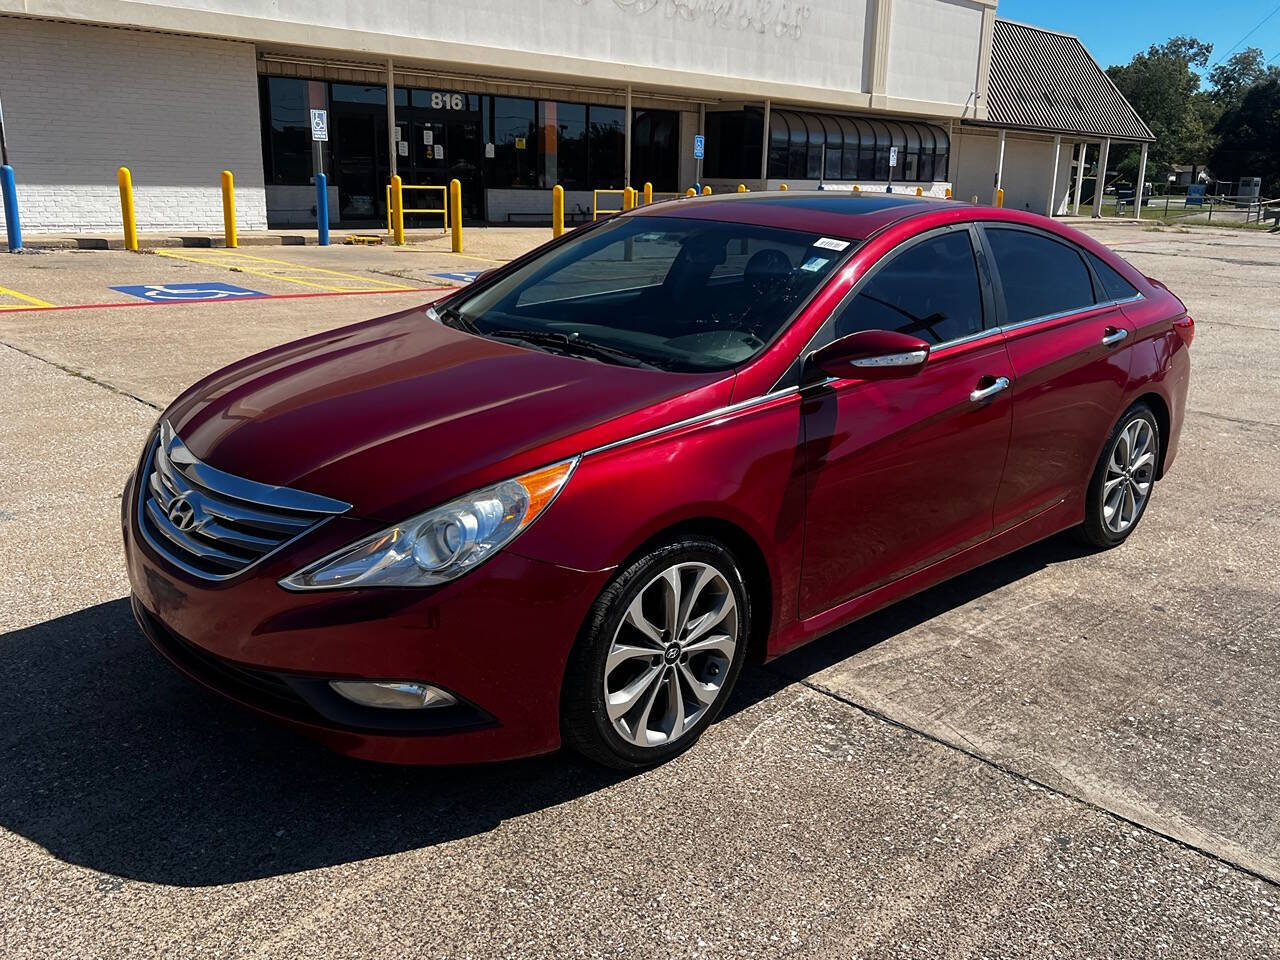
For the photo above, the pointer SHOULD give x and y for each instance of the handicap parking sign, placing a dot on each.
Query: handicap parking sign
(462, 276)
(188, 292)
(699, 146)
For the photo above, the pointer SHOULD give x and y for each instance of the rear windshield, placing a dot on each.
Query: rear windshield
(684, 295)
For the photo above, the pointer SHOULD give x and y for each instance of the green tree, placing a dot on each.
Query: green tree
(1232, 80)
(1165, 91)
(1249, 137)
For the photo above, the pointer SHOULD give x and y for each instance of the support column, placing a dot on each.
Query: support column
(391, 115)
(1053, 178)
(626, 165)
(1142, 179)
(702, 131)
(1101, 182)
(1080, 164)
(999, 168)
(764, 143)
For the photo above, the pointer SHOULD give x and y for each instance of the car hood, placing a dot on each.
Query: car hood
(402, 413)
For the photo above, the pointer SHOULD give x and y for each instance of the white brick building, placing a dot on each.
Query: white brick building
(511, 97)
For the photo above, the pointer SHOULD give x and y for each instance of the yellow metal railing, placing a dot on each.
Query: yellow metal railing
(597, 210)
(443, 209)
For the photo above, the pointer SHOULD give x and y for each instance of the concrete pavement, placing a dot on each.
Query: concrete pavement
(1061, 754)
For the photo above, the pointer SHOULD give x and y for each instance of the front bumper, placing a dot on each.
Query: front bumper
(497, 638)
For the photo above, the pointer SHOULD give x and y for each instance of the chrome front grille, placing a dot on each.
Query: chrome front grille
(213, 524)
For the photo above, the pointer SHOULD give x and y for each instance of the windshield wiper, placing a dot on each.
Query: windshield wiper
(452, 317)
(571, 345)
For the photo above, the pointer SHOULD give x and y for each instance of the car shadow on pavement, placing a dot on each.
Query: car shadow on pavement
(115, 762)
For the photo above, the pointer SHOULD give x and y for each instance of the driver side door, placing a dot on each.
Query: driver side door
(903, 473)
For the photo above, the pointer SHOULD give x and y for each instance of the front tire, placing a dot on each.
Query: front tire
(1123, 479)
(659, 655)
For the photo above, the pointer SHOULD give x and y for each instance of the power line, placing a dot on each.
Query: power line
(1246, 37)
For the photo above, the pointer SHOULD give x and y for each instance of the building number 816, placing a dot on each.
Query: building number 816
(448, 101)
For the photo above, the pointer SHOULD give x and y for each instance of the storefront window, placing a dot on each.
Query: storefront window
(515, 146)
(855, 148)
(286, 141)
(733, 144)
(562, 129)
(606, 146)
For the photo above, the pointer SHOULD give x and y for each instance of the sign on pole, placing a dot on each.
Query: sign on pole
(893, 156)
(319, 125)
(699, 147)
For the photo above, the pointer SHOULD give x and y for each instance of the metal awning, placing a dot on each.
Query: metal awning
(1047, 81)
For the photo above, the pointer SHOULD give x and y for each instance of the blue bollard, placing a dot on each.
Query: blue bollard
(12, 225)
(322, 208)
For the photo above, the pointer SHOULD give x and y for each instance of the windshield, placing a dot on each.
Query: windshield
(684, 295)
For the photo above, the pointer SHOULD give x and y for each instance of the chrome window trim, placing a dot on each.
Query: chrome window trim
(1104, 305)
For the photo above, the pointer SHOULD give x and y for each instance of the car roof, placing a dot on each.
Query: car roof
(854, 215)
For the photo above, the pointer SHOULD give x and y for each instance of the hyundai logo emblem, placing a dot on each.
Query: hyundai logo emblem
(182, 514)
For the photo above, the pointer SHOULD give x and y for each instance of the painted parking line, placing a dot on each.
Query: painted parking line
(24, 302)
(319, 278)
(271, 296)
(461, 276)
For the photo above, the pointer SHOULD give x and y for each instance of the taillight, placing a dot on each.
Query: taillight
(1186, 328)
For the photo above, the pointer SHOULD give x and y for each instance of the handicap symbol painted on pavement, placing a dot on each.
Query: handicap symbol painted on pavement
(188, 292)
(462, 276)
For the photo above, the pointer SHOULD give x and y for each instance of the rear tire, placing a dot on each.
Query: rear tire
(660, 653)
(1123, 479)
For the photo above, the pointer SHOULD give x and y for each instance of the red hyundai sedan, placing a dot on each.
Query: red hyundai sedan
(567, 503)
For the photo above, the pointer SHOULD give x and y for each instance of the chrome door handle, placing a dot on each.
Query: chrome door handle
(985, 393)
(1114, 336)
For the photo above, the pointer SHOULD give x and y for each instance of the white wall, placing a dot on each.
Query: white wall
(1028, 168)
(815, 50)
(933, 50)
(81, 101)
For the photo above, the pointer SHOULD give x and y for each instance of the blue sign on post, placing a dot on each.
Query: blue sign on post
(188, 292)
(699, 147)
(1195, 195)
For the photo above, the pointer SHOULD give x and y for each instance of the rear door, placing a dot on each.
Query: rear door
(1068, 341)
(903, 473)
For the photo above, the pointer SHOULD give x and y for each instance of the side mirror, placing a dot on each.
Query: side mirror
(871, 355)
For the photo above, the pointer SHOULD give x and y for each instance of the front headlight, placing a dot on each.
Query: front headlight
(441, 544)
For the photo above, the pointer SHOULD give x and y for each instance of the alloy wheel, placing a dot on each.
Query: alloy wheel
(671, 653)
(1131, 470)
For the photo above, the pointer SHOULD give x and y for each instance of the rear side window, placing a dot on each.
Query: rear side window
(930, 291)
(1116, 286)
(1039, 276)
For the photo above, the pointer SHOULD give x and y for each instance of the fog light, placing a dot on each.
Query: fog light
(393, 694)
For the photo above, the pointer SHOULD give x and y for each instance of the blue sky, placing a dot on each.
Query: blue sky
(1115, 31)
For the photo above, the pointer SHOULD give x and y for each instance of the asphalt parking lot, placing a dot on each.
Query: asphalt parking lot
(1062, 754)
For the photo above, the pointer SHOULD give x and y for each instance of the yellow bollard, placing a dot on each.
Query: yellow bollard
(229, 209)
(706, 191)
(919, 191)
(691, 192)
(856, 188)
(397, 211)
(628, 198)
(455, 214)
(1000, 197)
(125, 179)
(948, 193)
(783, 186)
(742, 188)
(557, 210)
(974, 200)
(648, 193)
